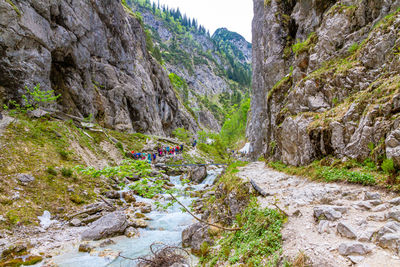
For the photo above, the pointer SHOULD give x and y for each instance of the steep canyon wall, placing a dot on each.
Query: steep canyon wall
(92, 53)
(326, 79)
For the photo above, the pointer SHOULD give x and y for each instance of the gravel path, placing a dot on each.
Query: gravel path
(333, 224)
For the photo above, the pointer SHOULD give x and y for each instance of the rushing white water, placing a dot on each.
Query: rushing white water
(165, 227)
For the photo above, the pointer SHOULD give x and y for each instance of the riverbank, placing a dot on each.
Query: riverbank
(38, 174)
(62, 243)
(242, 232)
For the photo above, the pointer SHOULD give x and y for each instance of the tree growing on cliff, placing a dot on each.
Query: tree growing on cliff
(33, 99)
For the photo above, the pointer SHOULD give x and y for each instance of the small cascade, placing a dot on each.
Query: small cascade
(165, 226)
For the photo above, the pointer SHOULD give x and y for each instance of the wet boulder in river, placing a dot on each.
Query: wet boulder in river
(112, 224)
(198, 174)
(194, 236)
(129, 197)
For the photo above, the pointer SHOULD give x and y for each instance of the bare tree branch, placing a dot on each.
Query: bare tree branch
(202, 221)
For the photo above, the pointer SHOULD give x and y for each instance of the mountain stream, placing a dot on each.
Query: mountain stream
(164, 227)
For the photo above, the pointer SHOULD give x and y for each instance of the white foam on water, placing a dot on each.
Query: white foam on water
(165, 227)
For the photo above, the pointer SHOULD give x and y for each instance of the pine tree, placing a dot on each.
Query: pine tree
(185, 20)
(194, 23)
(157, 54)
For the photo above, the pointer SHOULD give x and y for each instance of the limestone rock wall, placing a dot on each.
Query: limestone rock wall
(325, 79)
(93, 54)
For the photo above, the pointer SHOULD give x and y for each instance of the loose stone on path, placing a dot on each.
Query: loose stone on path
(331, 214)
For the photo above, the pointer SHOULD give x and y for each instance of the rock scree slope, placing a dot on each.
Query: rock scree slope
(92, 53)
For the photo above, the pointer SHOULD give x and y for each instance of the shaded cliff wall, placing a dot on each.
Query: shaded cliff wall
(92, 53)
(325, 79)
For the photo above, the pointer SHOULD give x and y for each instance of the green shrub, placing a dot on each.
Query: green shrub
(202, 136)
(120, 146)
(64, 154)
(51, 171)
(360, 178)
(66, 172)
(177, 81)
(330, 174)
(77, 199)
(204, 248)
(33, 98)
(278, 165)
(353, 48)
(300, 47)
(259, 238)
(388, 166)
(371, 147)
(370, 164)
(12, 217)
(182, 134)
(234, 127)
(181, 87)
(127, 168)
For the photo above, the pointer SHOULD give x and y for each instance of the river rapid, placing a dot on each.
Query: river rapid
(165, 226)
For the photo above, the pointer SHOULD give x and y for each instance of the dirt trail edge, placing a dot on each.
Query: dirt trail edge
(333, 224)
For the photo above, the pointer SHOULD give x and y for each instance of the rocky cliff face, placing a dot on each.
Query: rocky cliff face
(326, 80)
(210, 66)
(235, 42)
(93, 54)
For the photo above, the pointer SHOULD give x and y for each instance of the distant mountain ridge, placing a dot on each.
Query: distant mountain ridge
(239, 45)
(216, 70)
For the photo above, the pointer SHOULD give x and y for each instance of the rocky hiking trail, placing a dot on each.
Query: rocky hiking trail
(331, 224)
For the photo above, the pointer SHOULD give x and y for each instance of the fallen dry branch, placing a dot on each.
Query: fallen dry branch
(281, 210)
(162, 257)
(108, 203)
(202, 221)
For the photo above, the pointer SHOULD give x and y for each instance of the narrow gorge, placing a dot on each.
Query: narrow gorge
(132, 136)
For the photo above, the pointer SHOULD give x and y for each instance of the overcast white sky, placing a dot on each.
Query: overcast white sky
(236, 15)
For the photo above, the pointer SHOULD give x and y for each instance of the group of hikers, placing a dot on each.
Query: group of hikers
(161, 152)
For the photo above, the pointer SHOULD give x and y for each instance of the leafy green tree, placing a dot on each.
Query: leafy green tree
(234, 127)
(182, 134)
(202, 136)
(33, 99)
